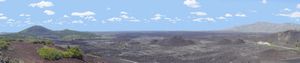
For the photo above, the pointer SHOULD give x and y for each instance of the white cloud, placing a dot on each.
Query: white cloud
(123, 12)
(49, 12)
(91, 18)
(287, 9)
(191, 3)
(264, 1)
(228, 15)
(42, 4)
(221, 18)
(292, 15)
(83, 14)
(240, 15)
(24, 15)
(2, 0)
(66, 16)
(114, 19)
(208, 19)
(199, 13)
(123, 16)
(173, 20)
(108, 9)
(87, 15)
(298, 6)
(157, 17)
(77, 22)
(3, 17)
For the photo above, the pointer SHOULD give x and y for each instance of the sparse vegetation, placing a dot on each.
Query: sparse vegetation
(44, 42)
(4, 43)
(73, 52)
(50, 53)
(54, 54)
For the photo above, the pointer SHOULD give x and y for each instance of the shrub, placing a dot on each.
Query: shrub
(50, 53)
(3, 44)
(73, 52)
(76, 52)
(54, 54)
(67, 54)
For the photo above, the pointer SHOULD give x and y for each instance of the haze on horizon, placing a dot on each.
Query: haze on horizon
(145, 15)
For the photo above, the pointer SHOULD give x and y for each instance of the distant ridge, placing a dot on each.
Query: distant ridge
(265, 27)
(42, 32)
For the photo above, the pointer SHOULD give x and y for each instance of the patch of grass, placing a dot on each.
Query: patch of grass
(50, 53)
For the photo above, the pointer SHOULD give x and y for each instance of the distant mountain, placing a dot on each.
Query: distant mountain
(37, 30)
(42, 32)
(265, 27)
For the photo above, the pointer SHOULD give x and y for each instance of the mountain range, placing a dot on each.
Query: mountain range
(265, 27)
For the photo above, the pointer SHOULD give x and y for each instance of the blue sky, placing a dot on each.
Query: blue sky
(144, 15)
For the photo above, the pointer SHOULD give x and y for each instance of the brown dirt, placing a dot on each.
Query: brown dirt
(27, 52)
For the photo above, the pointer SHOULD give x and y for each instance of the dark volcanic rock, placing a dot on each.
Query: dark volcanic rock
(174, 41)
(230, 41)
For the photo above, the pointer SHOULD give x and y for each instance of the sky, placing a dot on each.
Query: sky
(144, 15)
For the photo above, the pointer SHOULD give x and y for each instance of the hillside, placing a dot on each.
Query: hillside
(42, 32)
(265, 27)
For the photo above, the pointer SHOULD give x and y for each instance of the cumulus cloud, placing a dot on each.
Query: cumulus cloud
(114, 19)
(83, 14)
(240, 15)
(292, 15)
(49, 12)
(66, 16)
(173, 20)
(287, 9)
(207, 19)
(24, 15)
(42, 4)
(264, 1)
(2, 0)
(157, 17)
(3, 17)
(123, 16)
(221, 18)
(228, 15)
(199, 13)
(87, 15)
(191, 3)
